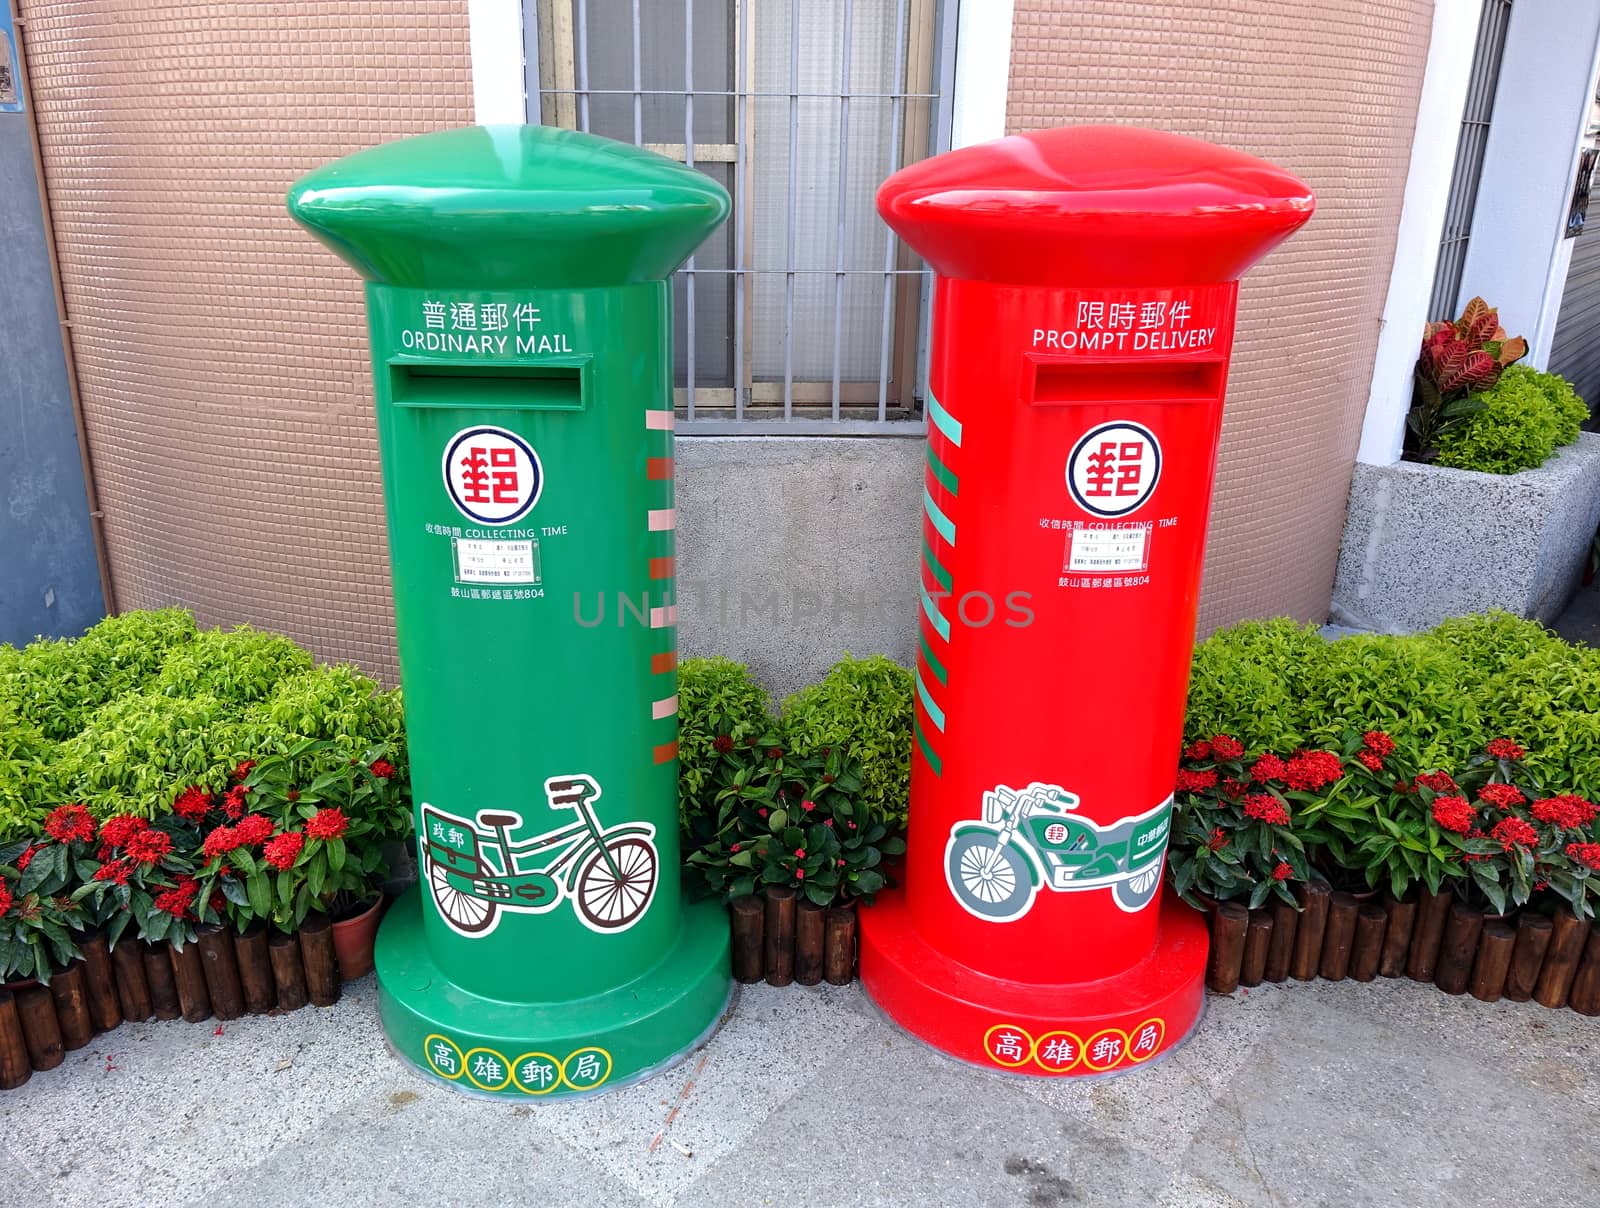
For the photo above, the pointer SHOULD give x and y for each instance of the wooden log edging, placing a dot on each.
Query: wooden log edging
(780, 938)
(222, 972)
(1551, 960)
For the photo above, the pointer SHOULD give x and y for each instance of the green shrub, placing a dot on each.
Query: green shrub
(29, 774)
(716, 698)
(239, 665)
(1248, 681)
(57, 684)
(1525, 416)
(137, 752)
(865, 707)
(1277, 686)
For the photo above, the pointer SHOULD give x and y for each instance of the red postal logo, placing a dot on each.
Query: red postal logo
(493, 476)
(1114, 468)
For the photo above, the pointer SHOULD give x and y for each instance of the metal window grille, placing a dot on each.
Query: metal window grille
(803, 314)
(1492, 26)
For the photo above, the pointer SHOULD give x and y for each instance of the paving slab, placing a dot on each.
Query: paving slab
(1304, 1094)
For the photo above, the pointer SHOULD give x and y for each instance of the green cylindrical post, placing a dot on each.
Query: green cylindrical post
(520, 317)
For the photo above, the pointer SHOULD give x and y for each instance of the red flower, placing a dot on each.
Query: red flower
(1197, 750)
(1310, 770)
(327, 824)
(800, 853)
(1189, 781)
(194, 803)
(147, 846)
(117, 870)
(1402, 787)
(800, 874)
(243, 770)
(722, 744)
(284, 850)
(735, 847)
(1501, 796)
(233, 802)
(808, 806)
(1587, 854)
(1439, 782)
(1218, 839)
(1268, 767)
(252, 830)
(1514, 832)
(1264, 807)
(1282, 872)
(1371, 760)
(220, 842)
(115, 832)
(774, 752)
(26, 858)
(69, 823)
(1234, 788)
(178, 900)
(1567, 812)
(1504, 748)
(1454, 813)
(5, 898)
(1378, 743)
(1224, 746)
(382, 769)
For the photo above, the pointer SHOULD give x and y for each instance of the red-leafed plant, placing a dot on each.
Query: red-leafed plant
(1459, 361)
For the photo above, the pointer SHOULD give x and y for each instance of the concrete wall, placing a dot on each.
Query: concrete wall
(794, 550)
(49, 578)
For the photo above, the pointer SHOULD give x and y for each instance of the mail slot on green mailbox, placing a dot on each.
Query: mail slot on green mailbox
(519, 307)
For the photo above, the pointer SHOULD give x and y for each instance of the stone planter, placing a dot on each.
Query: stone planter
(1422, 543)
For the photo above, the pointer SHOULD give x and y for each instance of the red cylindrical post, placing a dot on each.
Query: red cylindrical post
(1082, 323)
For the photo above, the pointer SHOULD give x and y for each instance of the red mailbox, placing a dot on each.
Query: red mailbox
(1082, 321)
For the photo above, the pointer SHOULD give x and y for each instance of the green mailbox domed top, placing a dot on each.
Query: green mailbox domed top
(509, 207)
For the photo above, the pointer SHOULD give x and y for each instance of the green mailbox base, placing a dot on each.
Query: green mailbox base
(525, 1050)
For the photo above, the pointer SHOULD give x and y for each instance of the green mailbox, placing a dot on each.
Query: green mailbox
(520, 317)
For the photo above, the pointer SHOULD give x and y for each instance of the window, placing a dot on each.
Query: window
(1492, 25)
(802, 313)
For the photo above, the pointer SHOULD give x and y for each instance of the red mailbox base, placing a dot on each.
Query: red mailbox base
(1072, 1029)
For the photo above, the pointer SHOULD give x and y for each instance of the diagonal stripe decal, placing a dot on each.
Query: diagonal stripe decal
(940, 624)
(942, 524)
(949, 426)
(935, 714)
(945, 476)
(934, 761)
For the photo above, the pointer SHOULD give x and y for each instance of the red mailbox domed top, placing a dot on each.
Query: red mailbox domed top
(1094, 205)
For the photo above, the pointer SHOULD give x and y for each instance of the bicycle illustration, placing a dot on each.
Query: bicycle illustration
(1031, 837)
(477, 871)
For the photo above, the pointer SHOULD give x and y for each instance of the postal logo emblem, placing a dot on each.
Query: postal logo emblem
(1033, 838)
(1114, 468)
(493, 476)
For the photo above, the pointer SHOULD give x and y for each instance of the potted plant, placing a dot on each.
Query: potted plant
(787, 819)
(330, 817)
(1489, 446)
(1233, 836)
(38, 924)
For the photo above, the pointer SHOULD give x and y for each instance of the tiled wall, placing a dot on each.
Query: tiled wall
(1328, 89)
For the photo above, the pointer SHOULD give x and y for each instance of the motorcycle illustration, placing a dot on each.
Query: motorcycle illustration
(477, 871)
(1031, 837)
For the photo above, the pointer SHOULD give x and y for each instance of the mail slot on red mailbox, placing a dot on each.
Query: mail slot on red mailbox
(1087, 280)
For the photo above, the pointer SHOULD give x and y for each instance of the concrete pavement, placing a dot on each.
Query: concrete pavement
(1340, 1094)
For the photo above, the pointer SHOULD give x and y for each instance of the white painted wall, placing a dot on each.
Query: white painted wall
(1517, 259)
(499, 89)
(983, 71)
(1416, 251)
